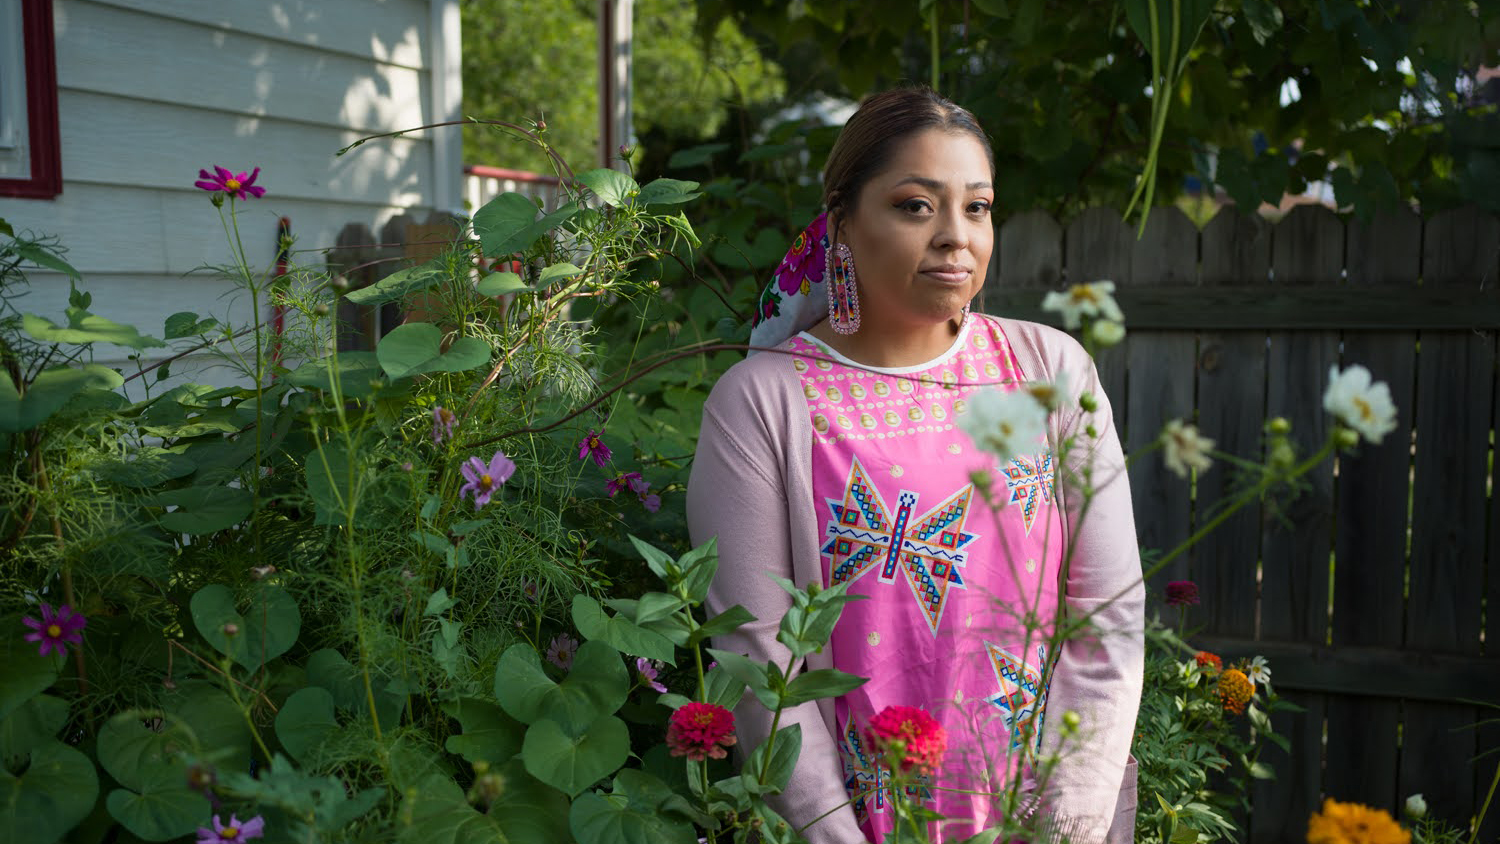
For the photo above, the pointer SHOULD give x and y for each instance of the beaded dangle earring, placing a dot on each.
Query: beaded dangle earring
(843, 296)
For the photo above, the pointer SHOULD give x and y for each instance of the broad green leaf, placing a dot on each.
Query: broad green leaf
(267, 629)
(355, 374)
(746, 670)
(52, 389)
(619, 632)
(43, 257)
(32, 724)
(556, 272)
(328, 669)
(611, 186)
(416, 349)
(24, 674)
(508, 223)
(187, 324)
(695, 156)
(660, 563)
(572, 763)
(784, 753)
(595, 687)
(305, 721)
(204, 509)
(161, 812)
(727, 621)
(141, 747)
(667, 192)
(215, 721)
(499, 284)
(489, 735)
(767, 151)
(655, 606)
(724, 688)
(434, 811)
(612, 819)
(84, 327)
(148, 467)
(54, 794)
(396, 286)
(700, 564)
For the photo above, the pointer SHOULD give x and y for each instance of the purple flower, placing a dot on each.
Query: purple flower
(234, 184)
(802, 266)
(484, 480)
(592, 444)
(649, 673)
(443, 421)
(560, 652)
(55, 629)
(232, 831)
(651, 502)
(1181, 593)
(638, 484)
(624, 480)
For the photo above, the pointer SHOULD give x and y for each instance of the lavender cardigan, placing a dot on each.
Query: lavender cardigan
(751, 487)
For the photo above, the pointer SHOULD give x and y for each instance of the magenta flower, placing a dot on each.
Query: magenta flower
(56, 629)
(624, 480)
(592, 444)
(232, 831)
(443, 421)
(561, 650)
(651, 502)
(1181, 593)
(236, 185)
(649, 673)
(484, 480)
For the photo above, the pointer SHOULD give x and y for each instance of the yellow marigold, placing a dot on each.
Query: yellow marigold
(1235, 690)
(1352, 823)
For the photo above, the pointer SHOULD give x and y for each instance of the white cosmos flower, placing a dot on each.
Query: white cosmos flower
(1050, 395)
(1183, 448)
(1416, 807)
(1364, 406)
(1259, 671)
(1005, 422)
(1107, 332)
(1095, 300)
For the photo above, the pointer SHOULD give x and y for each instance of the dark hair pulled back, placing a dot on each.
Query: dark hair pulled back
(871, 135)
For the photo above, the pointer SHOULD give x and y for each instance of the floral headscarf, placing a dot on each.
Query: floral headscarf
(796, 299)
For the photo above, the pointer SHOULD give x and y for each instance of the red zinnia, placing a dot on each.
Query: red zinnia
(700, 731)
(1181, 593)
(922, 738)
(1208, 660)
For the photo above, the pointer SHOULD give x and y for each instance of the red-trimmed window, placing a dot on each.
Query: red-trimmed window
(30, 147)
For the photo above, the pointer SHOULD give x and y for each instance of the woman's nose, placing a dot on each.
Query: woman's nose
(951, 233)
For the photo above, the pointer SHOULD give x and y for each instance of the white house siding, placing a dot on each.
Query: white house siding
(149, 91)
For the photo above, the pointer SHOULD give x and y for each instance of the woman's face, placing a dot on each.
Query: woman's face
(920, 231)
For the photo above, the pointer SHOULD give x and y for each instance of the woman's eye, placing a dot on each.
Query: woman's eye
(980, 207)
(914, 206)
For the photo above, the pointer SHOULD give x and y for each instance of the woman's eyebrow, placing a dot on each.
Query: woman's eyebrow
(934, 184)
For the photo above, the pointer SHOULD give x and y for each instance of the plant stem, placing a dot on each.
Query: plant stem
(1484, 810)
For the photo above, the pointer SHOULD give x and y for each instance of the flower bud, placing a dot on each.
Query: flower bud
(627, 151)
(169, 684)
(813, 588)
(1279, 426)
(200, 777)
(1092, 432)
(1088, 402)
(541, 125)
(321, 309)
(262, 572)
(481, 767)
(1416, 807)
(217, 199)
(339, 283)
(1346, 438)
(1070, 721)
(231, 629)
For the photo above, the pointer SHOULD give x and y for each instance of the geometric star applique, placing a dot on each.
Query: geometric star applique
(1028, 483)
(927, 551)
(1021, 699)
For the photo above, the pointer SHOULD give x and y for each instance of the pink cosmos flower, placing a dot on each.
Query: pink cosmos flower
(1181, 593)
(236, 185)
(594, 445)
(232, 831)
(56, 629)
(651, 502)
(922, 740)
(624, 480)
(561, 650)
(484, 480)
(700, 731)
(649, 673)
(443, 421)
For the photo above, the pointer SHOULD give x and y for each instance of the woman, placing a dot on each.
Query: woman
(836, 459)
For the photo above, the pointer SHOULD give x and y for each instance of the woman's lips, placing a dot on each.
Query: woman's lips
(948, 275)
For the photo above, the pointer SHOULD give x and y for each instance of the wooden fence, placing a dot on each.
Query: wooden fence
(1375, 594)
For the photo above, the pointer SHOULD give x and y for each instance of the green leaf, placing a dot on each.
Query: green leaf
(499, 284)
(723, 688)
(159, 813)
(267, 630)
(746, 670)
(216, 722)
(23, 673)
(354, 373)
(204, 509)
(305, 721)
(596, 686)
(328, 669)
(396, 286)
(52, 389)
(784, 753)
(489, 735)
(766, 151)
(655, 606)
(820, 683)
(508, 223)
(54, 794)
(556, 272)
(148, 467)
(137, 755)
(613, 819)
(1261, 771)
(660, 563)
(668, 192)
(84, 327)
(988, 836)
(619, 632)
(572, 762)
(727, 621)
(32, 724)
(695, 156)
(434, 811)
(416, 349)
(44, 257)
(700, 564)
(611, 186)
(187, 324)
